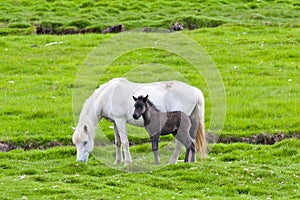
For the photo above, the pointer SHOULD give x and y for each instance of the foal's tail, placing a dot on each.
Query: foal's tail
(200, 132)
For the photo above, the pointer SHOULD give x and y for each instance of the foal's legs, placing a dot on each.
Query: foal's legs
(190, 153)
(192, 147)
(187, 153)
(154, 141)
(176, 152)
(188, 142)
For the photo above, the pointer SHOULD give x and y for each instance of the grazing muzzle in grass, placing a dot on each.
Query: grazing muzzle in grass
(82, 152)
(83, 142)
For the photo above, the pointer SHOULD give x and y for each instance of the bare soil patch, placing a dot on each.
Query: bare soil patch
(8, 146)
(262, 138)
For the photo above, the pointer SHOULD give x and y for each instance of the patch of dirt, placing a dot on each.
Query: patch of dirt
(40, 30)
(55, 144)
(35, 145)
(4, 147)
(8, 146)
(262, 138)
(114, 29)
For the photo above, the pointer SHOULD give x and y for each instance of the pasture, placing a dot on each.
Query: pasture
(255, 46)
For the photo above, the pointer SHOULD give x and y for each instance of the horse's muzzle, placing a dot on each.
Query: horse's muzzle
(135, 116)
(83, 157)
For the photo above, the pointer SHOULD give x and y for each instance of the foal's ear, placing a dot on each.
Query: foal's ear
(134, 98)
(145, 99)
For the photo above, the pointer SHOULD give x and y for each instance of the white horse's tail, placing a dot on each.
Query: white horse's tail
(201, 140)
(200, 132)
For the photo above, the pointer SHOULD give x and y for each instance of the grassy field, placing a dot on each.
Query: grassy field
(236, 171)
(260, 73)
(254, 45)
(21, 16)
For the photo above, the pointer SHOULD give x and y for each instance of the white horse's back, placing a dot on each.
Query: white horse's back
(115, 99)
(169, 96)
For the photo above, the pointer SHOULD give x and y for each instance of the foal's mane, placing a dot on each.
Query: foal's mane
(150, 103)
(153, 106)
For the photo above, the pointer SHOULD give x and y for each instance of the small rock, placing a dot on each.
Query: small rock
(114, 29)
(177, 27)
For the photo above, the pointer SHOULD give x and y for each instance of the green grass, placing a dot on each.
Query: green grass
(236, 171)
(37, 84)
(255, 46)
(21, 16)
(262, 91)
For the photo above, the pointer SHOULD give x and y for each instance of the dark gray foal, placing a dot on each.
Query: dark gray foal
(162, 123)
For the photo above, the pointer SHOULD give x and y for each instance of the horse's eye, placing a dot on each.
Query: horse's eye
(85, 143)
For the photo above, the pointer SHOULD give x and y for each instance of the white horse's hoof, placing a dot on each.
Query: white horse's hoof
(172, 161)
(117, 162)
(127, 163)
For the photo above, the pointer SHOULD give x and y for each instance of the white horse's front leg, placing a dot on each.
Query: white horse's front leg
(121, 127)
(119, 155)
(176, 152)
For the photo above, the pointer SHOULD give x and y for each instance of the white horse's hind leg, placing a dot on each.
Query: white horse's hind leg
(119, 155)
(121, 127)
(176, 152)
(192, 157)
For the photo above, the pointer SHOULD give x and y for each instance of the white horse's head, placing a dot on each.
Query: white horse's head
(84, 142)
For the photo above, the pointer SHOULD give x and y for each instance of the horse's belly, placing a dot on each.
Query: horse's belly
(168, 130)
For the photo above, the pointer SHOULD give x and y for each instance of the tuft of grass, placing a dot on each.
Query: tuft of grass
(195, 22)
(19, 25)
(80, 24)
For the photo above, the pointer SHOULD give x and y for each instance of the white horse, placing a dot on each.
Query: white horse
(113, 101)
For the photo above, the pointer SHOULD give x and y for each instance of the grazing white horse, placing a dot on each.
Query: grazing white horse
(113, 101)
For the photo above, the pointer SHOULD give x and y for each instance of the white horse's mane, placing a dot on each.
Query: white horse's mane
(81, 135)
(86, 113)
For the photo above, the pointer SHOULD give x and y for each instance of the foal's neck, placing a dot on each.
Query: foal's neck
(147, 115)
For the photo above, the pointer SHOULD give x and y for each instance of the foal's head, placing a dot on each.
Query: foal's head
(140, 106)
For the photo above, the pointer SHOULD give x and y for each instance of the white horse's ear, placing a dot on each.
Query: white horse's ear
(134, 98)
(73, 128)
(145, 98)
(85, 129)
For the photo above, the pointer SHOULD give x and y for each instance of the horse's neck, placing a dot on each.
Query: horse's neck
(91, 111)
(148, 116)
